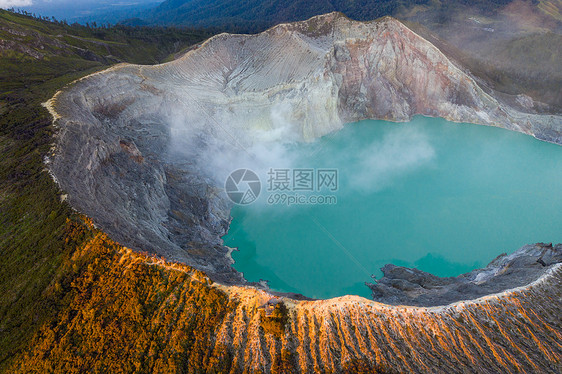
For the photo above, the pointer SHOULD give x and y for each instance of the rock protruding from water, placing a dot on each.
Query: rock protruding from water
(405, 286)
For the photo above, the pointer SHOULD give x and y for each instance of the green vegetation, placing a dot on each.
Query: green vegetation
(258, 15)
(35, 52)
(37, 58)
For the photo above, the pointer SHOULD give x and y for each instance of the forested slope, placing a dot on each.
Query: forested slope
(37, 58)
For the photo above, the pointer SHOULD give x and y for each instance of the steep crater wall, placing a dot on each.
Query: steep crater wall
(144, 150)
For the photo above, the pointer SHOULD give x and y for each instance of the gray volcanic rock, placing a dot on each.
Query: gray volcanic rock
(401, 285)
(144, 150)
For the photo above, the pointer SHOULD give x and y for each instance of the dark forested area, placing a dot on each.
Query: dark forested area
(257, 15)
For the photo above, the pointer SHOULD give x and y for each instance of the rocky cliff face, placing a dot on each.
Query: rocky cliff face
(134, 142)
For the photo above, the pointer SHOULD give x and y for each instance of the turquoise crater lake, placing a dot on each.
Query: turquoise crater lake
(439, 196)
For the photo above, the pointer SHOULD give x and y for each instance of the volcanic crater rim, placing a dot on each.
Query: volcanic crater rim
(145, 205)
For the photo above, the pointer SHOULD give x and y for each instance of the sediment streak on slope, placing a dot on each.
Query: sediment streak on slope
(517, 330)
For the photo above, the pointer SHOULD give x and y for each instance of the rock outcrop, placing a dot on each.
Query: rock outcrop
(404, 286)
(132, 142)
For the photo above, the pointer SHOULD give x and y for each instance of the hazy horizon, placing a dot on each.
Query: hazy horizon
(82, 11)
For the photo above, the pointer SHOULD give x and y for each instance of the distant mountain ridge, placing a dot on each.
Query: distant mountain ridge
(257, 15)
